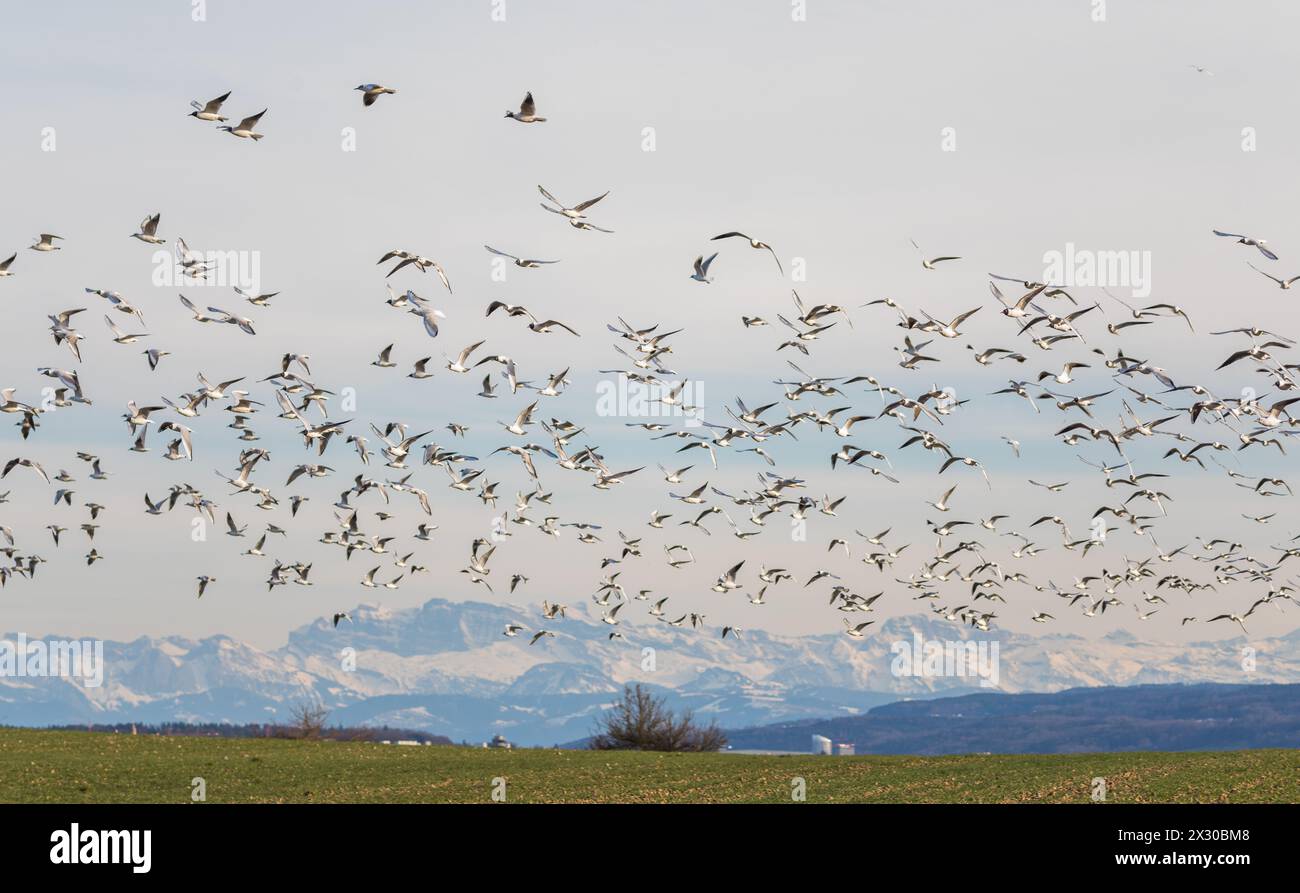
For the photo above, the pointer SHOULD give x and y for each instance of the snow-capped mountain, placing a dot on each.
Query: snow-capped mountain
(446, 667)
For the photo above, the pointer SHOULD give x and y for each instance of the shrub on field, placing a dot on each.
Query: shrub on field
(307, 720)
(643, 722)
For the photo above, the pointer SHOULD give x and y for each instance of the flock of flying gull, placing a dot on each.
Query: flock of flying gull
(984, 558)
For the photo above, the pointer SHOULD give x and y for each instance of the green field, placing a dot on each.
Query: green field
(81, 767)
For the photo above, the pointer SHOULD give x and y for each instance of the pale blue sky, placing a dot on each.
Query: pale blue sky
(822, 137)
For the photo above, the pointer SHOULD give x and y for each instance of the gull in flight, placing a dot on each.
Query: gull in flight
(525, 263)
(371, 92)
(420, 263)
(198, 314)
(233, 529)
(25, 463)
(211, 110)
(1239, 619)
(458, 364)
(753, 243)
(46, 243)
(527, 113)
(256, 300)
(185, 433)
(244, 324)
(155, 356)
(584, 225)
(118, 302)
(4, 266)
(120, 337)
(549, 325)
(149, 230)
(244, 129)
(575, 214)
(929, 264)
(192, 263)
(949, 330)
(727, 581)
(1016, 310)
(9, 404)
(942, 504)
(701, 273)
(1247, 240)
(510, 309)
(429, 315)
(856, 631)
(518, 426)
(1282, 283)
(384, 362)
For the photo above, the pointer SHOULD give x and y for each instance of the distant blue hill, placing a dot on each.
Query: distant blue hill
(1078, 720)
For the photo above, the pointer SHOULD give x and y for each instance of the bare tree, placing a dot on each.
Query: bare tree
(643, 722)
(307, 720)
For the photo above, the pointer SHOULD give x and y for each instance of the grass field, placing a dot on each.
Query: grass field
(80, 767)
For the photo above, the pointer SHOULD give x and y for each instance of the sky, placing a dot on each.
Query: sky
(837, 132)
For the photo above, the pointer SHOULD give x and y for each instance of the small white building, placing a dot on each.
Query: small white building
(844, 749)
(821, 745)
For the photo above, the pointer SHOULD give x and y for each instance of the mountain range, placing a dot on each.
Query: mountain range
(446, 667)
